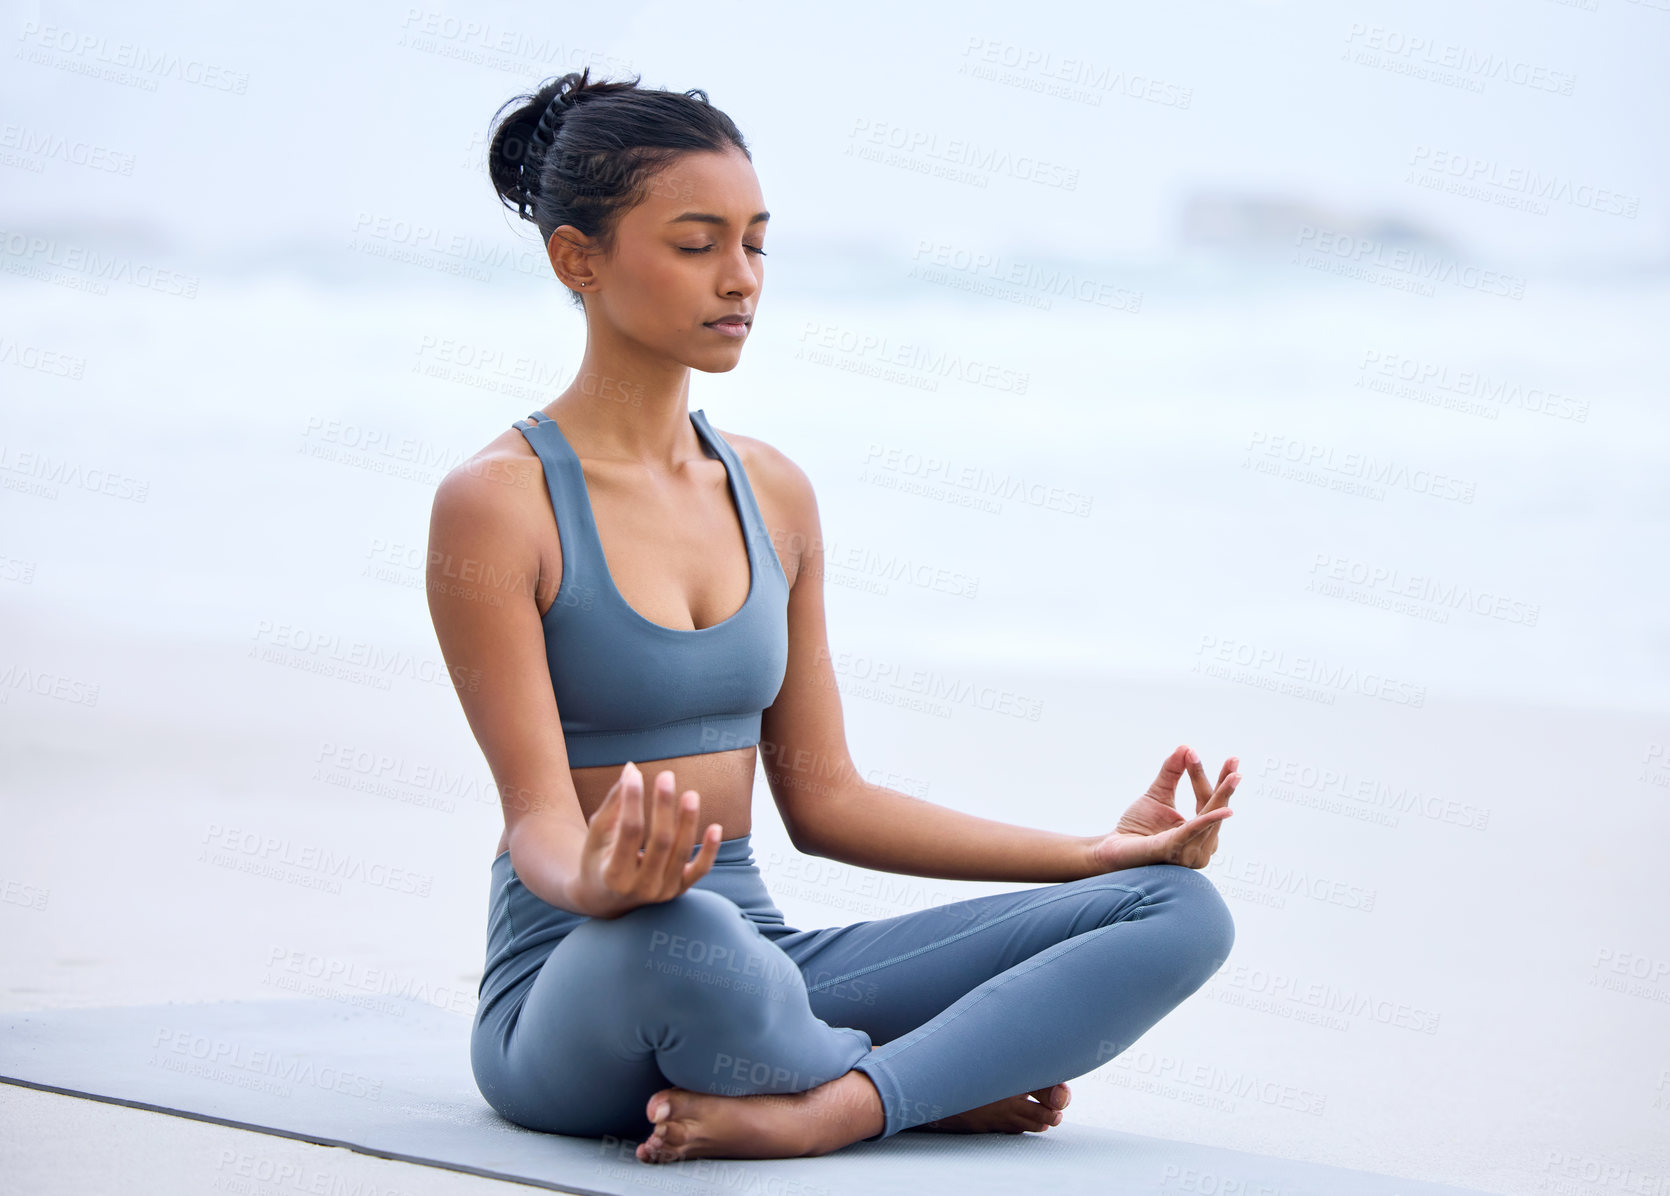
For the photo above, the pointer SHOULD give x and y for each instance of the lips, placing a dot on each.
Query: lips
(737, 321)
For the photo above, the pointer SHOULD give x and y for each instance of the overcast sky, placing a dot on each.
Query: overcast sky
(313, 114)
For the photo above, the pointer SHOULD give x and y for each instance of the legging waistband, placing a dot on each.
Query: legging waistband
(734, 852)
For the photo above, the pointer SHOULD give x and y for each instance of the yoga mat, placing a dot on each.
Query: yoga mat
(394, 1081)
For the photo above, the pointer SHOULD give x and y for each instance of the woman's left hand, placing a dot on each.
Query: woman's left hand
(1152, 831)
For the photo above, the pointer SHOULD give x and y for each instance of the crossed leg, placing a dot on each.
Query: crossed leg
(975, 1002)
(767, 1041)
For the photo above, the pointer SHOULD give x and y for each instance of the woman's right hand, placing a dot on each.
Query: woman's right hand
(635, 855)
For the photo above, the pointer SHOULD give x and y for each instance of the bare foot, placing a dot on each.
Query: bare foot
(1031, 1111)
(692, 1125)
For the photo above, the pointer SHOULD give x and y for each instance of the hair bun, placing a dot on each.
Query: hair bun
(562, 100)
(627, 134)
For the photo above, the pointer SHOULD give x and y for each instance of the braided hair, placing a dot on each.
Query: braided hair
(581, 151)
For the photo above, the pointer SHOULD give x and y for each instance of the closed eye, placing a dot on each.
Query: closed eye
(705, 248)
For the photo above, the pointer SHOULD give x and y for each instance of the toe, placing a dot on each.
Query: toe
(1053, 1097)
(658, 1105)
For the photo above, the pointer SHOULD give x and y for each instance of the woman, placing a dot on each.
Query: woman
(647, 642)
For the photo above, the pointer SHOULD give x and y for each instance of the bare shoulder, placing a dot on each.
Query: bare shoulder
(785, 496)
(498, 476)
(775, 477)
(493, 501)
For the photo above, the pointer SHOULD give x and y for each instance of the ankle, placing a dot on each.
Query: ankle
(849, 1111)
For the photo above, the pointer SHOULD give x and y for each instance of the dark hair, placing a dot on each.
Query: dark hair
(582, 151)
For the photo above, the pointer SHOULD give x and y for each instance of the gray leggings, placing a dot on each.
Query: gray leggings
(582, 1019)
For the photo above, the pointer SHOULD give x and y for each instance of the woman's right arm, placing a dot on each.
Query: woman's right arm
(483, 565)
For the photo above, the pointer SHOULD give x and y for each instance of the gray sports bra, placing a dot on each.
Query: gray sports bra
(631, 689)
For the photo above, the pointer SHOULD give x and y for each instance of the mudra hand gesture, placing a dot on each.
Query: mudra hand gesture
(1152, 831)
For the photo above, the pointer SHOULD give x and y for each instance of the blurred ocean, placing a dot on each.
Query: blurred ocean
(1461, 490)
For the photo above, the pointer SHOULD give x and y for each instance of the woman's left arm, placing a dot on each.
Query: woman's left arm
(831, 811)
(828, 809)
(872, 826)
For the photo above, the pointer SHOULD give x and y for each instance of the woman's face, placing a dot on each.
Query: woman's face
(691, 253)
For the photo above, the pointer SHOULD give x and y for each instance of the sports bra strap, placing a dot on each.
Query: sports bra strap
(582, 551)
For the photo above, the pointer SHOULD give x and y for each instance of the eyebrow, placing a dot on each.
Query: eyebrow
(710, 218)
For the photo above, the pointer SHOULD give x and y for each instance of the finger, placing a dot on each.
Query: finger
(1196, 829)
(1164, 788)
(663, 823)
(683, 838)
(1197, 778)
(622, 867)
(1221, 795)
(698, 867)
(1231, 779)
(606, 817)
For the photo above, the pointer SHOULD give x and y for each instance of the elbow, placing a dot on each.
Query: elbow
(814, 821)
(805, 843)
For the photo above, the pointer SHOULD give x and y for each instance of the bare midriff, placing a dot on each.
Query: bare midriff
(725, 781)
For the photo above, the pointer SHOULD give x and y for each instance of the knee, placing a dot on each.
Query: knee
(1205, 913)
(694, 913)
(697, 933)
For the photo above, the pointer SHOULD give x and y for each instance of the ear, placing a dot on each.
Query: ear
(570, 252)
